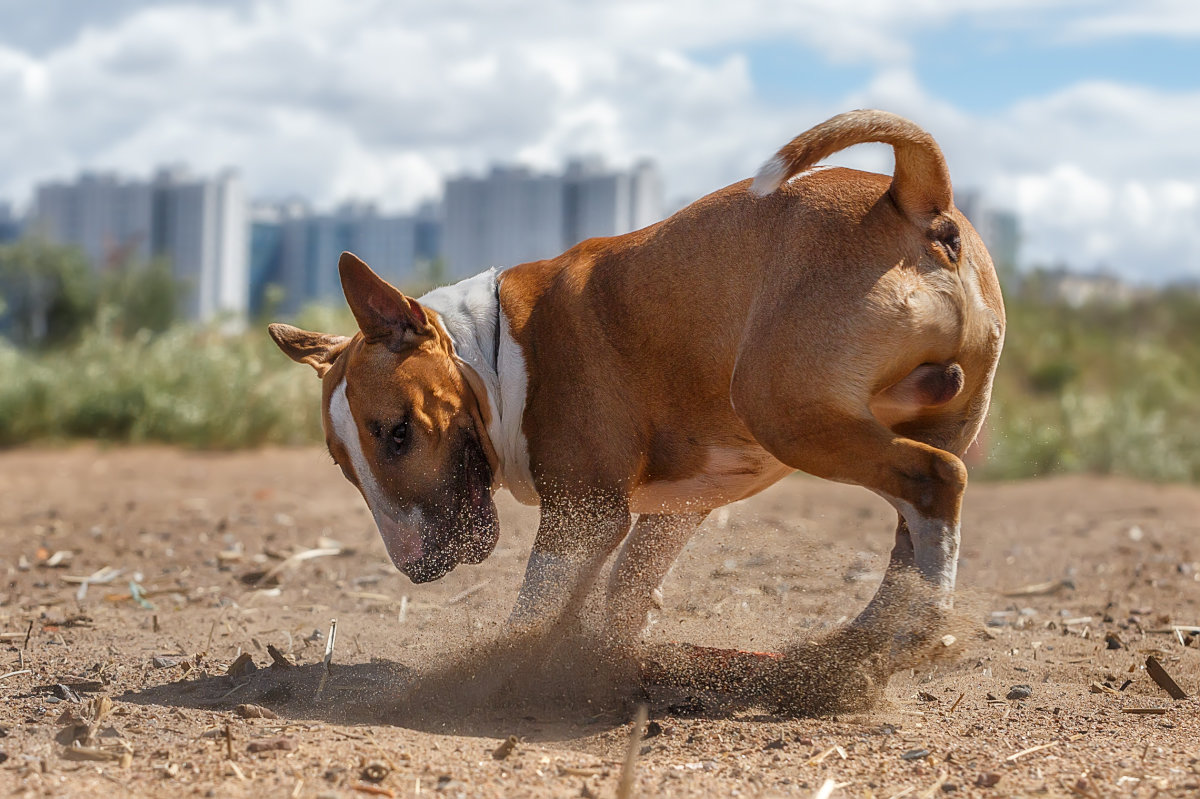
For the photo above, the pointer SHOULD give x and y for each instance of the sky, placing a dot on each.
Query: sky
(1082, 117)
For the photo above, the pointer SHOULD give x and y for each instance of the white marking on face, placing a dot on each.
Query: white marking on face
(399, 528)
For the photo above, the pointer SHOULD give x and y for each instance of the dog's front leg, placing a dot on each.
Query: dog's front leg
(645, 559)
(574, 539)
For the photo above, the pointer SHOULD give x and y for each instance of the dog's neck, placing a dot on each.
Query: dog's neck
(471, 316)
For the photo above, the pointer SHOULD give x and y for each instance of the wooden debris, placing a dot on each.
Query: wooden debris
(271, 576)
(96, 754)
(1145, 711)
(374, 790)
(1040, 589)
(241, 667)
(1163, 679)
(629, 767)
(248, 711)
(956, 701)
(816, 761)
(278, 658)
(1101, 688)
(826, 790)
(1016, 755)
(283, 743)
(329, 644)
(461, 595)
(506, 748)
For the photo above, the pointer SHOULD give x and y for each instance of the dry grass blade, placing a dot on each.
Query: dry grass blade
(329, 644)
(1029, 751)
(292, 560)
(826, 790)
(1039, 589)
(629, 768)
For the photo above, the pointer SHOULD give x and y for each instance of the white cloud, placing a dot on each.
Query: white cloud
(381, 100)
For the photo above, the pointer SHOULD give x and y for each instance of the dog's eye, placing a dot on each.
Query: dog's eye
(398, 437)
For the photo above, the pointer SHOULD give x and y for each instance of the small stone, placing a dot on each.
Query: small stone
(988, 780)
(255, 712)
(915, 754)
(1019, 692)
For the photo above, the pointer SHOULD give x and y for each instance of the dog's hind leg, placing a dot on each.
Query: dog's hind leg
(642, 564)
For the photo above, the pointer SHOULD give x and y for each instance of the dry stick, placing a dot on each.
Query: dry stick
(28, 632)
(1164, 680)
(956, 701)
(628, 769)
(826, 790)
(328, 655)
(1030, 750)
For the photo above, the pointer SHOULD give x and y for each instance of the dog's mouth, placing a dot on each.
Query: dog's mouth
(466, 528)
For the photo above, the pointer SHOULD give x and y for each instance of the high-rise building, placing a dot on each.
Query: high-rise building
(297, 250)
(198, 225)
(514, 215)
(108, 218)
(998, 228)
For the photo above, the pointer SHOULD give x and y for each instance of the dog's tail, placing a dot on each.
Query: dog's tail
(920, 183)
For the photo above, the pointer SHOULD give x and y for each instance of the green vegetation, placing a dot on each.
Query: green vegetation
(1106, 388)
(1103, 388)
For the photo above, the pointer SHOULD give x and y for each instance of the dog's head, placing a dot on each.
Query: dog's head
(402, 421)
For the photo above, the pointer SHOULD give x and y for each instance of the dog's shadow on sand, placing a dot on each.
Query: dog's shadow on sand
(541, 689)
(461, 697)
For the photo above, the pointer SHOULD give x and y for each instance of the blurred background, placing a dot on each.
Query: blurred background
(176, 174)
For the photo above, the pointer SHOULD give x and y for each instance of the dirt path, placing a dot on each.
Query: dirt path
(191, 531)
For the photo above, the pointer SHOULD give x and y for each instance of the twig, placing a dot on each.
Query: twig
(1039, 589)
(1163, 679)
(461, 595)
(292, 560)
(956, 701)
(1030, 750)
(328, 655)
(28, 632)
(826, 790)
(15, 673)
(628, 769)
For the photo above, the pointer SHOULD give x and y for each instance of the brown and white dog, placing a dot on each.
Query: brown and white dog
(831, 321)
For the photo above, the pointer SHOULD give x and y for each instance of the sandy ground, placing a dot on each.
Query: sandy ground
(194, 531)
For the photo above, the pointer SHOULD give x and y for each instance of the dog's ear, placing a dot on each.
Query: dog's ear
(318, 350)
(385, 315)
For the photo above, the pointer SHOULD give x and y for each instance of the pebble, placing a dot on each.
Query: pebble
(1019, 692)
